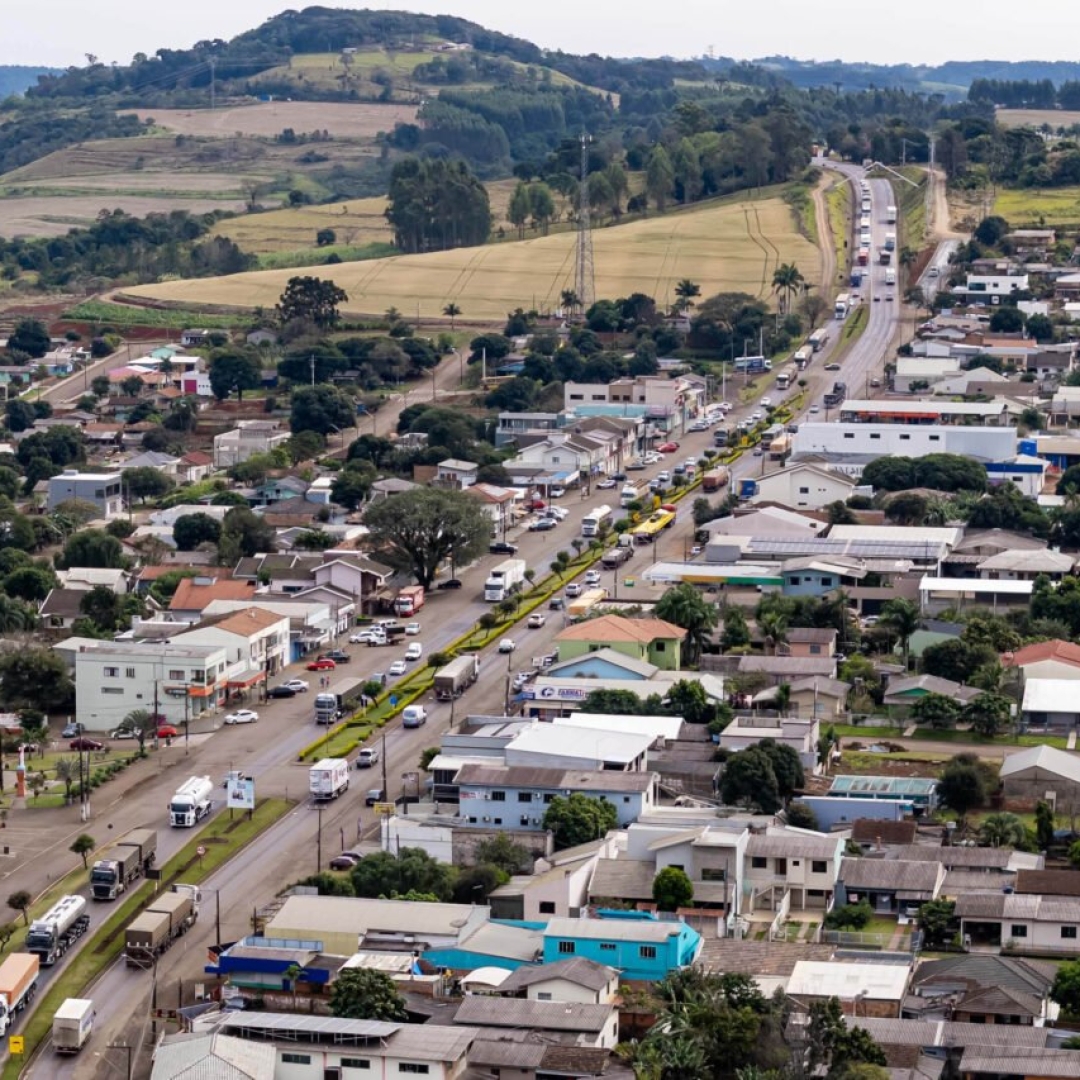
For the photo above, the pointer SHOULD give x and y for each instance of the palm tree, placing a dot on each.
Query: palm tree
(787, 281)
(66, 770)
(1002, 830)
(569, 300)
(686, 290)
(16, 615)
(774, 627)
(687, 608)
(782, 698)
(141, 723)
(451, 311)
(902, 618)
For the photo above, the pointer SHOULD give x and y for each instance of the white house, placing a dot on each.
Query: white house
(800, 865)
(103, 489)
(256, 643)
(576, 979)
(804, 486)
(800, 734)
(455, 473)
(248, 438)
(850, 445)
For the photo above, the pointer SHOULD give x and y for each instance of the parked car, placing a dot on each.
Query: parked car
(450, 583)
(167, 731)
(398, 668)
(668, 447)
(507, 645)
(543, 525)
(83, 742)
(322, 664)
(557, 492)
(242, 716)
(299, 686)
(72, 730)
(606, 483)
(536, 620)
(501, 547)
(282, 691)
(367, 757)
(345, 861)
(412, 629)
(573, 590)
(337, 656)
(123, 733)
(362, 637)
(414, 651)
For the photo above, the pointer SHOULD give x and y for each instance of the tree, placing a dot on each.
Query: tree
(1007, 320)
(902, 617)
(103, 607)
(501, 851)
(956, 659)
(542, 206)
(517, 212)
(31, 583)
(686, 291)
(989, 714)
(20, 901)
(142, 724)
(849, 916)
(366, 994)
(451, 311)
(30, 337)
(962, 786)
(1044, 825)
(787, 281)
(418, 530)
(99, 385)
(686, 607)
(800, 816)
(132, 385)
(92, 548)
(935, 922)
(321, 409)
(19, 415)
(774, 626)
(1002, 830)
(412, 870)
(735, 634)
(690, 700)
(310, 299)
(749, 780)
(476, 883)
(146, 482)
(1065, 990)
(191, 530)
(82, 845)
(937, 710)
(786, 766)
(352, 485)
(672, 889)
(578, 819)
(243, 534)
(325, 237)
(35, 678)
(435, 204)
(234, 372)
(659, 177)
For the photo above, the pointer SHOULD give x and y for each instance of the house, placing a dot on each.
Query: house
(804, 486)
(61, 608)
(917, 793)
(277, 490)
(638, 945)
(194, 594)
(1054, 659)
(151, 459)
(103, 489)
(864, 989)
(651, 640)
(908, 690)
(979, 988)
(213, 1054)
(814, 697)
(801, 735)
(456, 474)
(1043, 772)
(261, 337)
(248, 438)
(524, 1059)
(1050, 703)
(559, 885)
(808, 641)
(817, 575)
(389, 486)
(1025, 565)
(256, 643)
(889, 886)
(194, 466)
(787, 669)
(1045, 925)
(191, 339)
(876, 834)
(567, 1022)
(360, 578)
(90, 577)
(791, 865)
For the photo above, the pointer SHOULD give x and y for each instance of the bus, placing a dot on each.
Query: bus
(653, 526)
(840, 310)
(783, 381)
(803, 357)
(592, 522)
(818, 339)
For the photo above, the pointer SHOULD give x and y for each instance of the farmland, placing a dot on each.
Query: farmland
(1049, 207)
(1036, 118)
(728, 245)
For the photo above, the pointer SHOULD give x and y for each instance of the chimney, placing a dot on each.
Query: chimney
(880, 846)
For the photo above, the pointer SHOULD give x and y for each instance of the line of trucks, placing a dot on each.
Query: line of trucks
(122, 863)
(166, 918)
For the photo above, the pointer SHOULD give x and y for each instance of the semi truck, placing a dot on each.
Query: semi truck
(616, 556)
(632, 491)
(192, 802)
(123, 863)
(836, 395)
(753, 364)
(58, 929)
(779, 447)
(333, 703)
(715, 479)
(327, 779)
(18, 985)
(890, 215)
(594, 520)
(885, 256)
(409, 601)
(72, 1024)
(579, 608)
(505, 578)
(453, 679)
(168, 917)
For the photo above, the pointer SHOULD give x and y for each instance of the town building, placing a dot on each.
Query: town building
(101, 489)
(653, 641)
(248, 438)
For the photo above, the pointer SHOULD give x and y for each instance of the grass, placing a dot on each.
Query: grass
(838, 203)
(711, 243)
(1055, 119)
(223, 838)
(1050, 207)
(317, 256)
(120, 315)
(870, 734)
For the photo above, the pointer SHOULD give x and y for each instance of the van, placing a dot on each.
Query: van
(413, 716)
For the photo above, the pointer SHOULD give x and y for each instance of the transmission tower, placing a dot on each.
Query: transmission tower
(585, 275)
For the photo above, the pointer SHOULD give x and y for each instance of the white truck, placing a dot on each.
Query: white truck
(72, 1024)
(58, 929)
(632, 491)
(192, 802)
(327, 779)
(890, 276)
(890, 215)
(594, 520)
(505, 578)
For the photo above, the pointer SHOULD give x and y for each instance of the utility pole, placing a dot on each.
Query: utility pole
(318, 842)
(382, 758)
(312, 361)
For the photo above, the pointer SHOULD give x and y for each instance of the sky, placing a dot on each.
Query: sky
(61, 32)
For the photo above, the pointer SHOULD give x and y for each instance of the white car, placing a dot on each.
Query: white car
(507, 645)
(691, 462)
(664, 476)
(397, 668)
(592, 577)
(242, 716)
(756, 416)
(766, 402)
(573, 590)
(412, 629)
(297, 686)
(725, 406)
(414, 651)
(536, 620)
(557, 492)
(362, 637)
(815, 408)
(607, 483)
(652, 457)
(559, 513)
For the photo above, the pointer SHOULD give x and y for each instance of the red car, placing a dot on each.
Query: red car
(668, 447)
(322, 664)
(167, 731)
(83, 743)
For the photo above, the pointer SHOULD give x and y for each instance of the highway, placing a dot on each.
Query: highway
(268, 750)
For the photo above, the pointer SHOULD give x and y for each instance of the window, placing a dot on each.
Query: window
(1018, 930)
(804, 491)
(112, 673)
(549, 797)
(826, 582)
(647, 952)
(626, 798)
(412, 1067)
(659, 646)
(875, 435)
(1068, 933)
(496, 821)
(296, 1059)
(607, 946)
(129, 673)
(525, 796)
(849, 434)
(176, 673)
(759, 862)
(567, 948)
(543, 995)
(815, 650)
(113, 690)
(819, 866)
(498, 796)
(355, 1063)
(547, 907)
(935, 438)
(905, 438)
(713, 873)
(524, 821)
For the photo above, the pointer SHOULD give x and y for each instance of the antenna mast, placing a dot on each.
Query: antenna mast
(584, 278)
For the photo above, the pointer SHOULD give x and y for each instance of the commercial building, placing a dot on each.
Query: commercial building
(256, 643)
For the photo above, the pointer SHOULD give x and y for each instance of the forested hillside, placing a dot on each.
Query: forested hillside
(18, 78)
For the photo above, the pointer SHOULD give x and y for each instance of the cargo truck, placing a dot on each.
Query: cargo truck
(779, 447)
(124, 862)
(632, 491)
(409, 601)
(168, 917)
(18, 984)
(579, 608)
(58, 929)
(505, 578)
(191, 803)
(453, 679)
(72, 1024)
(616, 556)
(836, 396)
(593, 521)
(885, 256)
(715, 479)
(890, 215)
(340, 698)
(327, 779)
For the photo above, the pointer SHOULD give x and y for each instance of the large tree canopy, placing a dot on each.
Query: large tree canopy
(436, 204)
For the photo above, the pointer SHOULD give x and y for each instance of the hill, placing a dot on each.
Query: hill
(728, 245)
(17, 78)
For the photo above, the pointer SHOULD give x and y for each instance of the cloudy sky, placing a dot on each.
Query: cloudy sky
(61, 32)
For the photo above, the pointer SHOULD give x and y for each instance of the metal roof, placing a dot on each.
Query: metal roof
(482, 1011)
(314, 1026)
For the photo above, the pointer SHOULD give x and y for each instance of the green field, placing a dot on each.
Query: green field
(1039, 207)
(729, 245)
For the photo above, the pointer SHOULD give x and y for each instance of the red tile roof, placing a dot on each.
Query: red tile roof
(1064, 651)
(192, 595)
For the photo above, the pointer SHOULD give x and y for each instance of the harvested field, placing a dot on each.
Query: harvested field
(724, 246)
(150, 182)
(1036, 118)
(267, 119)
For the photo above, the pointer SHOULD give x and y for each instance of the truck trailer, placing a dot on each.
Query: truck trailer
(836, 396)
(409, 601)
(715, 479)
(168, 917)
(124, 862)
(616, 556)
(327, 779)
(505, 578)
(579, 608)
(72, 1024)
(191, 803)
(18, 985)
(58, 929)
(453, 679)
(332, 704)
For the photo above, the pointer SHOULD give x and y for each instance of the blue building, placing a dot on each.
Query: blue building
(642, 947)
(261, 963)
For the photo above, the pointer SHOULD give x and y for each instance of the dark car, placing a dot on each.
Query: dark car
(556, 603)
(282, 691)
(374, 795)
(501, 547)
(337, 655)
(620, 477)
(450, 583)
(542, 525)
(83, 743)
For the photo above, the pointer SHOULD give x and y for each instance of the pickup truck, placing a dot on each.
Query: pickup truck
(367, 757)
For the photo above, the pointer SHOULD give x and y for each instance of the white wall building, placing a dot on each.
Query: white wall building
(248, 438)
(804, 487)
(256, 642)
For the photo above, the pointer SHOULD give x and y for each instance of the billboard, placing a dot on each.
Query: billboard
(240, 793)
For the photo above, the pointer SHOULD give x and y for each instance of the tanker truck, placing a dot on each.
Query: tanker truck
(18, 984)
(168, 917)
(191, 803)
(125, 861)
(58, 929)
